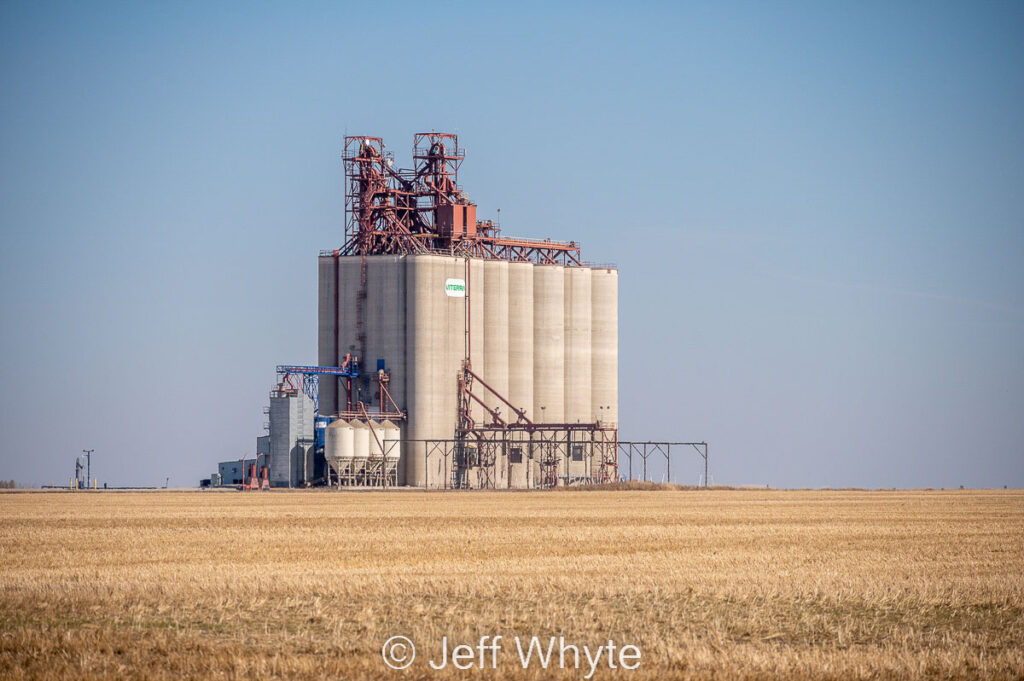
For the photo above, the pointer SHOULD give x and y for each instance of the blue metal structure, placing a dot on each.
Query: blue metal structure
(311, 377)
(320, 424)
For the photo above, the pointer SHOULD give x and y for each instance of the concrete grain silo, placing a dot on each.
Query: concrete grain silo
(360, 447)
(338, 447)
(291, 437)
(520, 336)
(549, 344)
(431, 304)
(578, 354)
(604, 341)
(496, 331)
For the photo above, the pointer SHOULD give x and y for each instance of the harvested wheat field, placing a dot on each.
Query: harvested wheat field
(310, 585)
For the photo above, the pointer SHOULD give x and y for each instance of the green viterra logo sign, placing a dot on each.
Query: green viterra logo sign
(455, 288)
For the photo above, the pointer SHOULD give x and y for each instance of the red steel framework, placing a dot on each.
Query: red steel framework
(390, 210)
(553, 441)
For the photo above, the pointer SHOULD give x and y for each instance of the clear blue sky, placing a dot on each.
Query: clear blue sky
(817, 209)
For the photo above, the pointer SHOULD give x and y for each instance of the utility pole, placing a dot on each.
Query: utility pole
(88, 466)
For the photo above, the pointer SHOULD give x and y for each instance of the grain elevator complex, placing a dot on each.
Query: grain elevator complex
(449, 354)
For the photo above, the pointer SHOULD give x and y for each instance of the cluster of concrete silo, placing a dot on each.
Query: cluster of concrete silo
(545, 337)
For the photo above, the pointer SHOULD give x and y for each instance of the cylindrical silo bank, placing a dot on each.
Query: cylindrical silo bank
(549, 354)
(578, 364)
(577, 345)
(548, 344)
(423, 274)
(520, 336)
(520, 358)
(327, 328)
(384, 319)
(543, 336)
(495, 369)
(605, 345)
(436, 346)
(476, 290)
(349, 278)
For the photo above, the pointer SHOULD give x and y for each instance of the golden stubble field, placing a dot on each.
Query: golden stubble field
(309, 585)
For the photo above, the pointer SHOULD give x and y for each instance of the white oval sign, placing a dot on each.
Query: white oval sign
(455, 288)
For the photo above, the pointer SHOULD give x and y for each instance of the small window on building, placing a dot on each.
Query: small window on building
(577, 452)
(515, 455)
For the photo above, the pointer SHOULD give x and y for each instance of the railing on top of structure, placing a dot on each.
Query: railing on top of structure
(449, 253)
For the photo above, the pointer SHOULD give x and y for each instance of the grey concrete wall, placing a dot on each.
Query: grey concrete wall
(327, 329)
(520, 336)
(386, 336)
(291, 420)
(436, 346)
(496, 342)
(605, 343)
(577, 359)
(543, 335)
(577, 345)
(548, 344)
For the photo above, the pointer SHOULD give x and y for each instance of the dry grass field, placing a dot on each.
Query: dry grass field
(723, 584)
